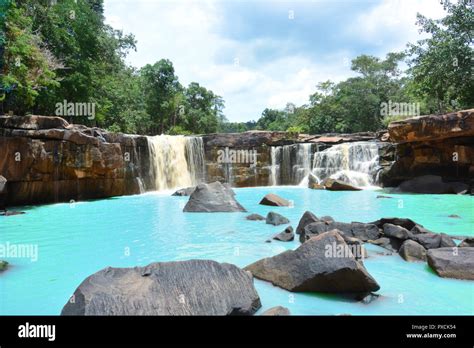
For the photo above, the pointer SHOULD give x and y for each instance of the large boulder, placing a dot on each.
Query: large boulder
(412, 251)
(394, 231)
(446, 241)
(452, 262)
(323, 264)
(195, 287)
(428, 240)
(276, 219)
(307, 218)
(338, 185)
(213, 197)
(274, 200)
(286, 236)
(276, 311)
(432, 184)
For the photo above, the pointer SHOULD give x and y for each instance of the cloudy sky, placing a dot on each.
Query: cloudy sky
(265, 53)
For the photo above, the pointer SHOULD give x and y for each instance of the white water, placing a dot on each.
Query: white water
(355, 163)
(290, 164)
(169, 165)
(275, 165)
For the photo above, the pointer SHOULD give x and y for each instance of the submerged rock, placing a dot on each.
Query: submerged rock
(213, 197)
(274, 200)
(255, 217)
(194, 287)
(432, 184)
(286, 236)
(467, 243)
(185, 191)
(278, 310)
(276, 219)
(412, 251)
(3, 265)
(338, 185)
(452, 262)
(317, 265)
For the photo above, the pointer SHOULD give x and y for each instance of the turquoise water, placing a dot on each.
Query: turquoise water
(76, 240)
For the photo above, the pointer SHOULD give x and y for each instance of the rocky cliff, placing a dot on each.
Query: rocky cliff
(45, 159)
(431, 145)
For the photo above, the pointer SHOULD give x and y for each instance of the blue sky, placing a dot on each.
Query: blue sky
(258, 54)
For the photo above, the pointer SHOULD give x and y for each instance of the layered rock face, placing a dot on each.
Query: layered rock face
(45, 159)
(440, 145)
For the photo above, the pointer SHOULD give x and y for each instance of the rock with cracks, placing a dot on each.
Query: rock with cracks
(194, 287)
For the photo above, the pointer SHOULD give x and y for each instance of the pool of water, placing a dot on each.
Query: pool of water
(76, 240)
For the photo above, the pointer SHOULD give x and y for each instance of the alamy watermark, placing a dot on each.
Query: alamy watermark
(229, 156)
(75, 109)
(25, 251)
(399, 109)
(335, 250)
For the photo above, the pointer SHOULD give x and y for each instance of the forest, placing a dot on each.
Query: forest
(55, 51)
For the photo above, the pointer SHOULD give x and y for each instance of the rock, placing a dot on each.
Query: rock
(33, 122)
(255, 217)
(3, 265)
(323, 264)
(313, 182)
(327, 219)
(454, 216)
(307, 218)
(213, 197)
(358, 230)
(286, 236)
(412, 251)
(278, 310)
(432, 184)
(382, 196)
(194, 287)
(274, 200)
(11, 213)
(394, 231)
(433, 127)
(467, 243)
(3, 192)
(452, 262)
(276, 219)
(391, 244)
(369, 298)
(405, 223)
(446, 241)
(185, 191)
(356, 246)
(428, 240)
(417, 229)
(338, 185)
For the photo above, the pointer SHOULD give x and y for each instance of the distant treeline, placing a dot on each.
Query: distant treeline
(62, 52)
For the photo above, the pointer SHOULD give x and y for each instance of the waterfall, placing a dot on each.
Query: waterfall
(290, 164)
(175, 161)
(355, 163)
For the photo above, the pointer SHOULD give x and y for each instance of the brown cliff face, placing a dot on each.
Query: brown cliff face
(433, 145)
(45, 159)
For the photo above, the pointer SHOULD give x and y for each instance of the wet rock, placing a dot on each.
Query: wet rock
(274, 200)
(255, 217)
(432, 184)
(467, 243)
(276, 219)
(3, 265)
(338, 185)
(307, 218)
(369, 298)
(278, 310)
(412, 251)
(286, 236)
(323, 264)
(391, 244)
(452, 262)
(213, 197)
(428, 240)
(185, 191)
(313, 182)
(195, 287)
(395, 231)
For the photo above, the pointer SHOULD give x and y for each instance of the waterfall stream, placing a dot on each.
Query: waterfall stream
(176, 161)
(290, 164)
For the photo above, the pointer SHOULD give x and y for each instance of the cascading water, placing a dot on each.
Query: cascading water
(175, 161)
(290, 164)
(355, 163)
